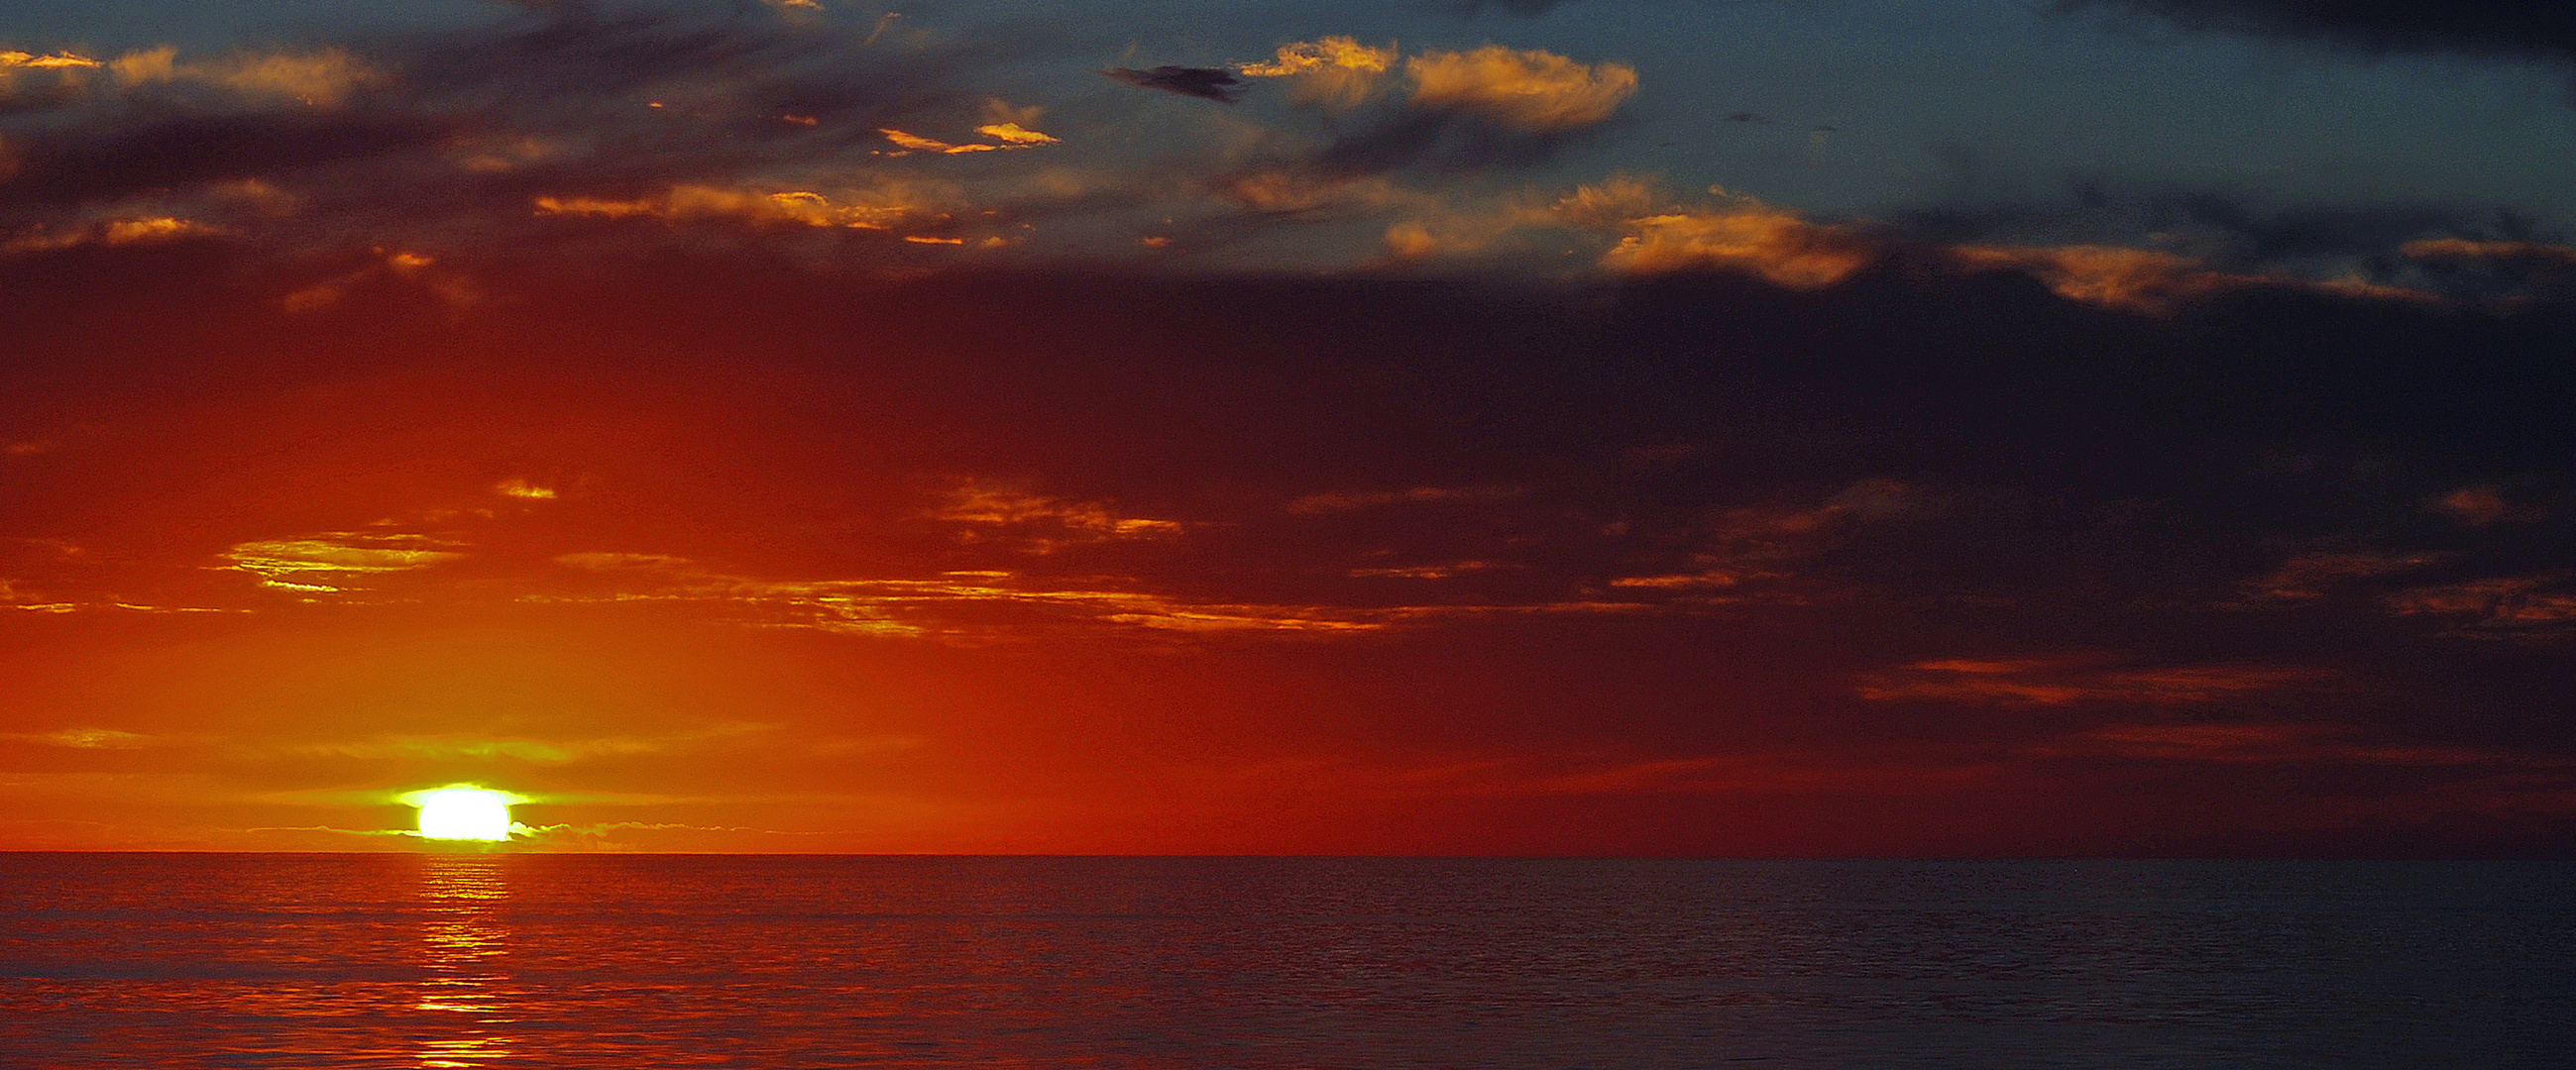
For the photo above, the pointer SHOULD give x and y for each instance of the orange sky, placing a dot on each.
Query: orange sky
(789, 457)
(713, 561)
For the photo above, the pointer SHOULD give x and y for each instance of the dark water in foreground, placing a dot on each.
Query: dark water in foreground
(747, 961)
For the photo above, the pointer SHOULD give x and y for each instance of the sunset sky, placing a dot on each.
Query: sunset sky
(1739, 427)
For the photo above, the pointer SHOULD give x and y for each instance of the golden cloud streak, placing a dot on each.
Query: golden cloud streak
(302, 564)
(114, 232)
(927, 607)
(1009, 135)
(526, 749)
(88, 738)
(1043, 524)
(1015, 134)
(56, 61)
(708, 202)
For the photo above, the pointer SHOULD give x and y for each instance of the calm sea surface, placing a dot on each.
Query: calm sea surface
(154, 961)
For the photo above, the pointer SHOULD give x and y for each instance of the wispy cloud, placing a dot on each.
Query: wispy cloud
(89, 738)
(2065, 680)
(1038, 523)
(334, 562)
(2537, 605)
(2256, 743)
(1346, 501)
(542, 750)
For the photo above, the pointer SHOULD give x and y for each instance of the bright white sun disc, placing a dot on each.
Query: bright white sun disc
(463, 814)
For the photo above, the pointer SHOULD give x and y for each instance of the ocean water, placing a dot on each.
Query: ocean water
(610, 961)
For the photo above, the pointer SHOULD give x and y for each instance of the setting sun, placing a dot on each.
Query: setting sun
(463, 813)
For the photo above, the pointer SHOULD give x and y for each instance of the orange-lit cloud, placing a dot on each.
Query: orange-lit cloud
(1038, 523)
(923, 144)
(112, 232)
(2511, 253)
(982, 605)
(2148, 281)
(1005, 135)
(452, 287)
(323, 78)
(1774, 244)
(87, 738)
(803, 207)
(1446, 227)
(335, 562)
(1530, 90)
(1335, 73)
(956, 604)
(1330, 52)
(54, 61)
(541, 750)
(1655, 234)
(1015, 134)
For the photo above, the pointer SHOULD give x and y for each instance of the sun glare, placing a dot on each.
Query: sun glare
(461, 812)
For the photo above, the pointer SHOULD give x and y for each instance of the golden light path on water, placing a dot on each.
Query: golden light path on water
(462, 943)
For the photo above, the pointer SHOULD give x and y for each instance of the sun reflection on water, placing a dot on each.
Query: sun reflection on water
(463, 946)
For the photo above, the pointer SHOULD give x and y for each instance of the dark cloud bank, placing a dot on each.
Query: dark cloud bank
(1210, 83)
(2470, 27)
